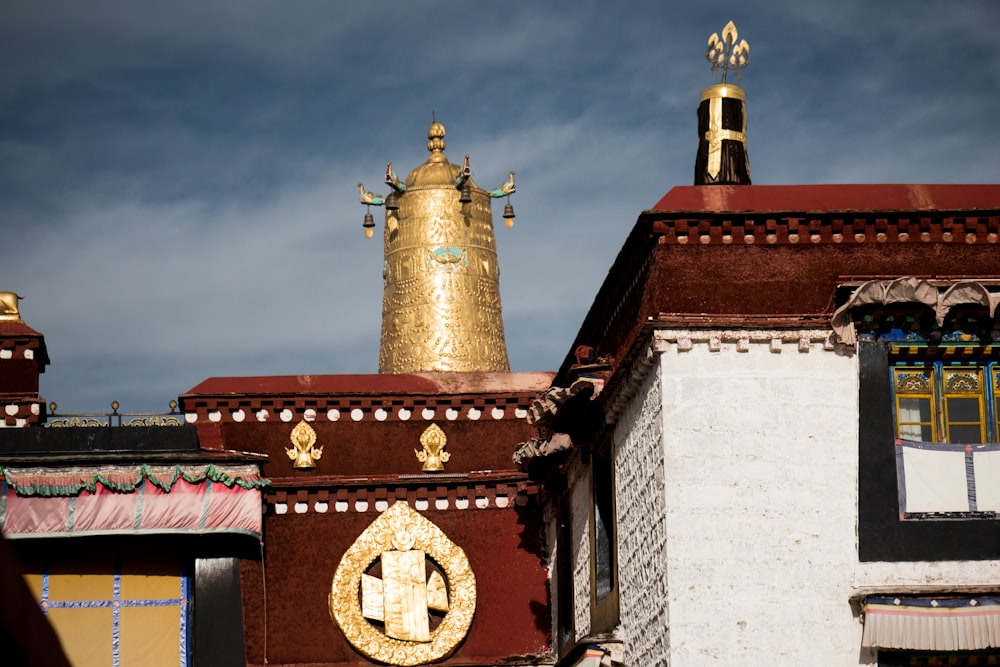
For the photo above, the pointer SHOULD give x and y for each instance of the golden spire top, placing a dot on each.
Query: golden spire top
(441, 299)
(435, 142)
(726, 53)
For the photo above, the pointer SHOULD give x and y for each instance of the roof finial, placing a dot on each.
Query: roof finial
(726, 54)
(435, 141)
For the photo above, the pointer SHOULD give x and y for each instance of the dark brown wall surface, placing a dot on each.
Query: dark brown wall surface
(367, 448)
(795, 279)
(302, 552)
(367, 461)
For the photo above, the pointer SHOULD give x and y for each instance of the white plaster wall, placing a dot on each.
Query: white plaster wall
(760, 467)
(760, 452)
(642, 527)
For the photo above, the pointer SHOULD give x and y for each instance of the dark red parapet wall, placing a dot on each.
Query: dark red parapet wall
(302, 552)
(711, 255)
(369, 427)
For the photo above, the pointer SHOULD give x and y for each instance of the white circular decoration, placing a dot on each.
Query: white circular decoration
(239, 416)
(215, 416)
(451, 414)
(381, 415)
(309, 415)
(404, 414)
(427, 413)
(357, 414)
(333, 414)
(286, 415)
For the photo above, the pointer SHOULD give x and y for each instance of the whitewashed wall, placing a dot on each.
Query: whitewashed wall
(759, 458)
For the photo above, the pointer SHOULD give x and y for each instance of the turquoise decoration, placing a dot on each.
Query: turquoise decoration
(448, 258)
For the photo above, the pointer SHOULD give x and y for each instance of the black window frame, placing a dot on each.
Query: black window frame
(882, 535)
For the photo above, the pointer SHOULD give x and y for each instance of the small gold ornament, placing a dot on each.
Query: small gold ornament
(304, 453)
(401, 539)
(433, 455)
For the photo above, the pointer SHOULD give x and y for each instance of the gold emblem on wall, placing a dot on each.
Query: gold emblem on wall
(403, 600)
(303, 450)
(433, 455)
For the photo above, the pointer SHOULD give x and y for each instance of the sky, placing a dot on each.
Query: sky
(178, 178)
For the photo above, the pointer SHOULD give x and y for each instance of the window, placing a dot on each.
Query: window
(882, 535)
(947, 401)
(116, 606)
(604, 572)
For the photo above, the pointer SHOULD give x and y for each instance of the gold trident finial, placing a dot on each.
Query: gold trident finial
(726, 53)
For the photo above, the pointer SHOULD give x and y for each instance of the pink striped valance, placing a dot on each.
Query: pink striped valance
(102, 500)
(932, 624)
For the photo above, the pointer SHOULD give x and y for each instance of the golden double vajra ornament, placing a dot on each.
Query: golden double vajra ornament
(402, 599)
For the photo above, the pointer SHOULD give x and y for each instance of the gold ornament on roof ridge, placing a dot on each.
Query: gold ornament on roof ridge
(726, 53)
(9, 311)
(303, 450)
(401, 539)
(433, 456)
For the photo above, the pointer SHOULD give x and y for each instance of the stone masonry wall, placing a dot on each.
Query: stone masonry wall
(642, 527)
(580, 520)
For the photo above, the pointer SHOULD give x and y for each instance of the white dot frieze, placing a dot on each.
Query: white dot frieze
(380, 414)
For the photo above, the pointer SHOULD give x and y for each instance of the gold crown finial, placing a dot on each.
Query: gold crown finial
(726, 53)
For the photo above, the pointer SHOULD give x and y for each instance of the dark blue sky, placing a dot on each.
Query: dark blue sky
(177, 179)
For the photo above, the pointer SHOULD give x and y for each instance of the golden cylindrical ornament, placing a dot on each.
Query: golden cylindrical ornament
(441, 305)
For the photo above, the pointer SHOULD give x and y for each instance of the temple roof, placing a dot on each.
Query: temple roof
(408, 383)
(840, 198)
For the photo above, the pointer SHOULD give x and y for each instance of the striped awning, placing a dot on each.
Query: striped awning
(103, 500)
(931, 624)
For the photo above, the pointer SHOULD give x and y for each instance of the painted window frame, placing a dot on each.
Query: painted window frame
(882, 536)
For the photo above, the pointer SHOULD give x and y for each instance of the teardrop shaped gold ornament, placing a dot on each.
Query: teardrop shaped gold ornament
(401, 538)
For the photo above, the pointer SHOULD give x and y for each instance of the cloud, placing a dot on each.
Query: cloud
(177, 179)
